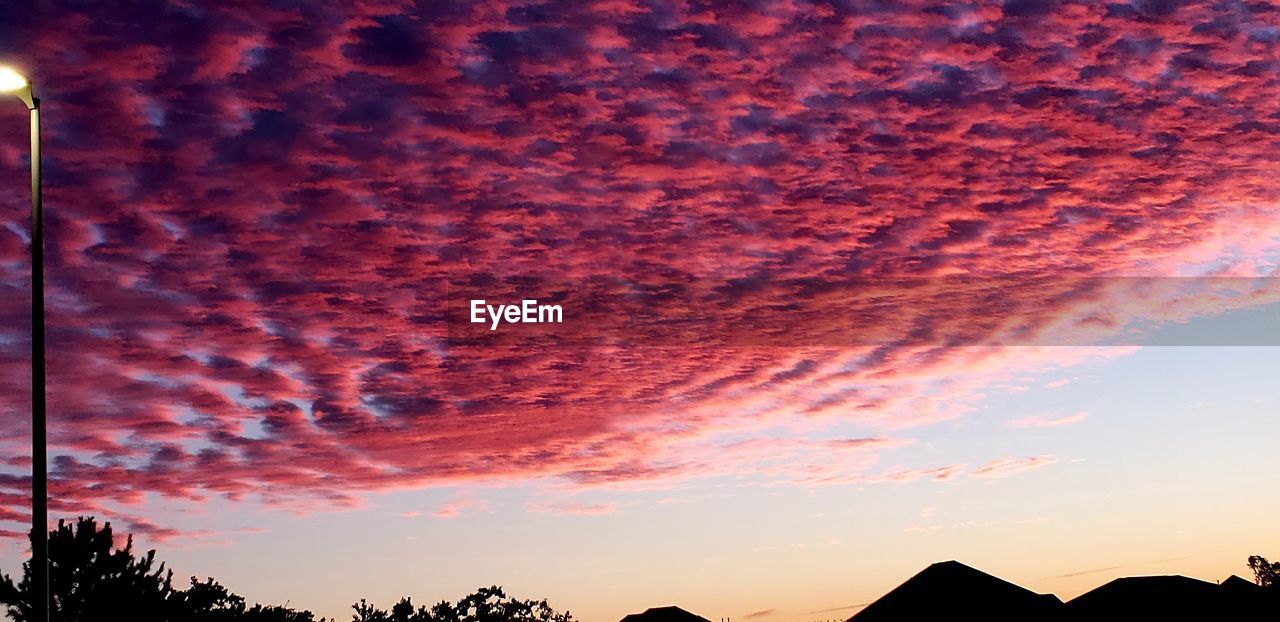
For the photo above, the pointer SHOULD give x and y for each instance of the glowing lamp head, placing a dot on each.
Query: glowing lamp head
(11, 80)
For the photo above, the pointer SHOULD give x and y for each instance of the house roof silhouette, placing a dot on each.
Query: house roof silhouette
(664, 614)
(1236, 585)
(1168, 597)
(949, 590)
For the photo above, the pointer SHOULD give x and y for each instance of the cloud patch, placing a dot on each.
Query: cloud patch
(1048, 421)
(1004, 467)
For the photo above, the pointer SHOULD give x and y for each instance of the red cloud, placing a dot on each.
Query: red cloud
(254, 223)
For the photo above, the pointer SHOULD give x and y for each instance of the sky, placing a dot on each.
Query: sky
(850, 288)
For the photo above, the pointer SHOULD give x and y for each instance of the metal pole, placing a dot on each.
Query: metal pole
(39, 456)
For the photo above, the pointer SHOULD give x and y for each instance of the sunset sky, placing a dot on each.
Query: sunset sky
(262, 222)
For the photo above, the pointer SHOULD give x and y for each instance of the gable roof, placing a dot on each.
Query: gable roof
(947, 590)
(664, 614)
(1150, 597)
(1234, 584)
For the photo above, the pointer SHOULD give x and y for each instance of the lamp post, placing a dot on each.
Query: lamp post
(13, 82)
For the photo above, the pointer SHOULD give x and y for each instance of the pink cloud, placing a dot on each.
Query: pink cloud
(573, 508)
(1005, 467)
(461, 505)
(1048, 421)
(939, 474)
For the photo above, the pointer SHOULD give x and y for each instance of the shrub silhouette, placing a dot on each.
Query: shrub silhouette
(211, 602)
(487, 604)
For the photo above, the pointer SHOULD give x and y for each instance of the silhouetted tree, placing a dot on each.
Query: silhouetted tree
(1266, 573)
(277, 613)
(87, 577)
(487, 604)
(209, 601)
(403, 611)
(91, 580)
(368, 613)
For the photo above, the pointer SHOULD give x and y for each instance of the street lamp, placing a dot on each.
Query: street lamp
(13, 82)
